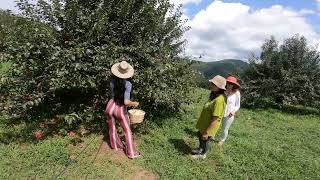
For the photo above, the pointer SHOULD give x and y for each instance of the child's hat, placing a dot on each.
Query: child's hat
(219, 81)
(233, 80)
(122, 70)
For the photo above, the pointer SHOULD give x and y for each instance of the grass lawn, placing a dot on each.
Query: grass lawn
(263, 144)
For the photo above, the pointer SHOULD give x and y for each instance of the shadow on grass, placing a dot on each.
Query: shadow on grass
(289, 109)
(300, 110)
(191, 132)
(180, 145)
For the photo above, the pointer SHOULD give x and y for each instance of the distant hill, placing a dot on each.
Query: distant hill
(223, 67)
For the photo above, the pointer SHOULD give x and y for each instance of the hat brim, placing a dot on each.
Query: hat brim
(215, 83)
(235, 83)
(128, 74)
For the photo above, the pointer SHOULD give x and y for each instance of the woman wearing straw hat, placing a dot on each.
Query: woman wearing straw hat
(233, 105)
(211, 116)
(116, 108)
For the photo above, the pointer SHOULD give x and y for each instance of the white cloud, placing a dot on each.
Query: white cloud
(318, 1)
(233, 30)
(307, 12)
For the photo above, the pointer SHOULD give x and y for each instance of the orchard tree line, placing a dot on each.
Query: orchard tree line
(284, 74)
(61, 52)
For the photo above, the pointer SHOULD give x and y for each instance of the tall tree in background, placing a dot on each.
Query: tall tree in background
(62, 51)
(284, 74)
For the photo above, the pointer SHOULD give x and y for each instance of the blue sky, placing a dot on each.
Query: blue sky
(7, 4)
(237, 28)
(211, 35)
(193, 8)
(314, 19)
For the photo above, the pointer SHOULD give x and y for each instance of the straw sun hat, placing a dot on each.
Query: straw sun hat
(219, 81)
(122, 70)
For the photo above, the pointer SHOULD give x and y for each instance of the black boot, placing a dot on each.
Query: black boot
(196, 151)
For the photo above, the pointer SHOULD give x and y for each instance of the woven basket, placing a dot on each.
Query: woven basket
(136, 116)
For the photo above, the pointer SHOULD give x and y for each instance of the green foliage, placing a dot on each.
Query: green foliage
(5, 68)
(61, 53)
(283, 74)
(223, 67)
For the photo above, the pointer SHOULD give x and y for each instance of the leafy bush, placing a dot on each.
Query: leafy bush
(283, 74)
(61, 52)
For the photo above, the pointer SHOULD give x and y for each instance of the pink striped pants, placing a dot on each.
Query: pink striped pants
(114, 111)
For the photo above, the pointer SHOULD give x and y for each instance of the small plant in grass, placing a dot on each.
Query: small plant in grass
(38, 134)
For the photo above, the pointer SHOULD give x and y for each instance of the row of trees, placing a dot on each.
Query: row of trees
(287, 73)
(61, 52)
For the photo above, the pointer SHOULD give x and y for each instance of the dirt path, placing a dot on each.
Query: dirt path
(119, 157)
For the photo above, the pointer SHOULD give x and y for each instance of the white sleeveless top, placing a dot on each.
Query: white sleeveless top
(233, 103)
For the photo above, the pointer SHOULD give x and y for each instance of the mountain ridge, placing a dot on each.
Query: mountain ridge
(222, 67)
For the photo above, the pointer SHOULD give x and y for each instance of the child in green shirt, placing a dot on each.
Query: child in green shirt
(211, 115)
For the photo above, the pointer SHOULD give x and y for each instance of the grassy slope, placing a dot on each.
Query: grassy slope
(263, 144)
(47, 159)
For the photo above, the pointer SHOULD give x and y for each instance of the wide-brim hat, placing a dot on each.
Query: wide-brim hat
(219, 81)
(122, 70)
(233, 80)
